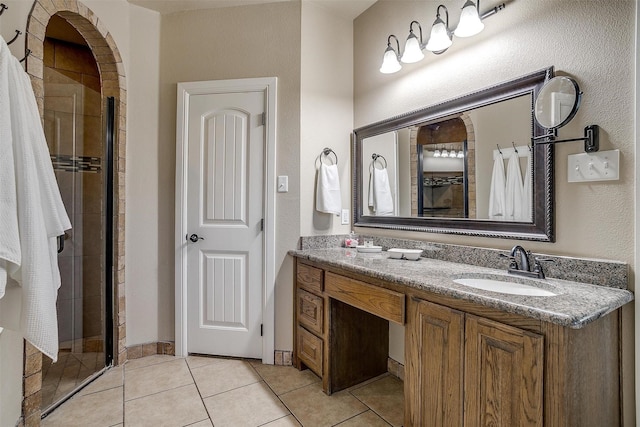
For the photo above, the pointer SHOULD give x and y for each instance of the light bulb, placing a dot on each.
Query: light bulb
(437, 153)
(445, 153)
(439, 39)
(412, 51)
(470, 23)
(390, 62)
(461, 154)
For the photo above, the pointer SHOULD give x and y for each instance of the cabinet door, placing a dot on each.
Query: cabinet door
(503, 375)
(433, 365)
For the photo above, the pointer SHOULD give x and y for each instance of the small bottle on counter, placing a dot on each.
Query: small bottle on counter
(351, 241)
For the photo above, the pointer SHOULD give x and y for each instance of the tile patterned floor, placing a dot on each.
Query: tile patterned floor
(62, 377)
(202, 391)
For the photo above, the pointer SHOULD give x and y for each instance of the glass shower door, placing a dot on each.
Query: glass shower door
(74, 132)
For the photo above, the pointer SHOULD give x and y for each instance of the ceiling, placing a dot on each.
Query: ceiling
(347, 8)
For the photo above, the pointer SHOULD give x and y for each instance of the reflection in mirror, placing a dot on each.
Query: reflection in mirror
(464, 166)
(557, 102)
(456, 158)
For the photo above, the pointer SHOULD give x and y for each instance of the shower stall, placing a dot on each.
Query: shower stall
(79, 128)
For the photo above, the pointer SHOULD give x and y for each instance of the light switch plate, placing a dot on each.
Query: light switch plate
(598, 166)
(283, 184)
(345, 216)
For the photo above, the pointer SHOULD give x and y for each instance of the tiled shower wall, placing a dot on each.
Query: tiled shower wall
(73, 126)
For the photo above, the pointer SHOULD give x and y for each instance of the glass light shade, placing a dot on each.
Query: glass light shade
(453, 154)
(437, 153)
(461, 154)
(412, 51)
(390, 62)
(470, 23)
(445, 153)
(439, 39)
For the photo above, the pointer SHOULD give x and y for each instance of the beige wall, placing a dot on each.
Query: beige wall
(592, 41)
(326, 110)
(232, 43)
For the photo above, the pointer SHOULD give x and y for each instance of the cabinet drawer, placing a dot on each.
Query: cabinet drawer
(310, 350)
(310, 311)
(382, 302)
(310, 277)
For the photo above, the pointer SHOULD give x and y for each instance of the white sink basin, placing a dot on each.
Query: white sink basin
(504, 287)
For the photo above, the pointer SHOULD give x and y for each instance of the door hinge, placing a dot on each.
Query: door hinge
(263, 119)
(261, 329)
(262, 224)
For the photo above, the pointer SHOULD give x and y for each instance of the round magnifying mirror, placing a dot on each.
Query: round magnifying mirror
(557, 103)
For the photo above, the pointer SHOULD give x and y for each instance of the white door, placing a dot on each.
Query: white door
(224, 199)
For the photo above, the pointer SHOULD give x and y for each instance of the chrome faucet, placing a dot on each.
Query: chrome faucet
(521, 265)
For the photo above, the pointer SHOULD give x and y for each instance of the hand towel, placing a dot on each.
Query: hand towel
(513, 189)
(497, 202)
(41, 214)
(527, 195)
(382, 198)
(328, 197)
(372, 204)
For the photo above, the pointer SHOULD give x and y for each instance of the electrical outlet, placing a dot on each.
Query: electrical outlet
(345, 217)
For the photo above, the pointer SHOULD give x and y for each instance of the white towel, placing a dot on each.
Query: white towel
(328, 197)
(497, 204)
(513, 189)
(382, 198)
(41, 213)
(9, 238)
(527, 195)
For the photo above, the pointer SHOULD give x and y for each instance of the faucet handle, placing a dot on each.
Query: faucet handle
(513, 264)
(537, 268)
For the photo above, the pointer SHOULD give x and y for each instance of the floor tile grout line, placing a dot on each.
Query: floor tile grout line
(199, 393)
(371, 409)
(157, 392)
(278, 397)
(357, 415)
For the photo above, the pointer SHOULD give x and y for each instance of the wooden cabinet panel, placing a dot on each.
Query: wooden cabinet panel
(433, 365)
(389, 305)
(503, 375)
(310, 277)
(310, 350)
(310, 310)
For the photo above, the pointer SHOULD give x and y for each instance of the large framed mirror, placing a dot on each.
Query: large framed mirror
(464, 166)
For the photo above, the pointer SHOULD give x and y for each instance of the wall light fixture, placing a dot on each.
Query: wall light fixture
(440, 39)
(390, 61)
(413, 47)
(470, 22)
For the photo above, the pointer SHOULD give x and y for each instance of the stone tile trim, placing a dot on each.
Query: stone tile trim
(613, 274)
(283, 358)
(113, 82)
(395, 368)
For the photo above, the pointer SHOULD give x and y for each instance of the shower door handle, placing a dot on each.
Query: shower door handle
(61, 240)
(194, 238)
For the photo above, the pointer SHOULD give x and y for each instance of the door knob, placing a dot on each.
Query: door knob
(194, 238)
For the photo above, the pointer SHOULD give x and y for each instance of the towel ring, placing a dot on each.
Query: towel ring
(375, 157)
(326, 152)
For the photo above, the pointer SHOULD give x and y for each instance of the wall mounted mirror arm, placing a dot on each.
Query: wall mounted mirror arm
(591, 139)
(555, 106)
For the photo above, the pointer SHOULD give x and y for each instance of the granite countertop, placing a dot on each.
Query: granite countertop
(574, 305)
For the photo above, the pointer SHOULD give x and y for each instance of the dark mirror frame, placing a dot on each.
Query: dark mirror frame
(542, 226)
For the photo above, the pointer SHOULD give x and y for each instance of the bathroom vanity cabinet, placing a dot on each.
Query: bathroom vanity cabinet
(466, 364)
